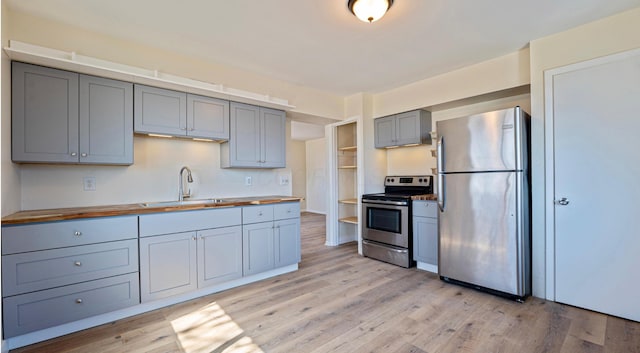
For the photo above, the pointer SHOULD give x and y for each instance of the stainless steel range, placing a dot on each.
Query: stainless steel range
(386, 219)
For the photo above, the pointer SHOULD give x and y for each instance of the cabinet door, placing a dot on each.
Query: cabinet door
(106, 121)
(257, 248)
(287, 238)
(219, 255)
(408, 128)
(160, 111)
(273, 137)
(425, 240)
(385, 131)
(207, 117)
(167, 265)
(244, 139)
(44, 114)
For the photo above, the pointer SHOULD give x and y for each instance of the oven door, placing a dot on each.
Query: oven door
(388, 224)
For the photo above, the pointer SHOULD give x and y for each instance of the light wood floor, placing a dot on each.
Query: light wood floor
(341, 302)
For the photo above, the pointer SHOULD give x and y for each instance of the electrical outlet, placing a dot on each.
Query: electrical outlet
(248, 181)
(89, 183)
(284, 179)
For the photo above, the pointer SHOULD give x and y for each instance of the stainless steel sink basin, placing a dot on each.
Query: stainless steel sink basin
(182, 203)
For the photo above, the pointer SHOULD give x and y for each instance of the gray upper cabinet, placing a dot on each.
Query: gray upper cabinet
(207, 117)
(410, 128)
(106, 121)
(257, 138)
(63, 117)
(160, 111)
(168, 112)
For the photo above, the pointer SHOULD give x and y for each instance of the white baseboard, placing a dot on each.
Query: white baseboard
(427, 267)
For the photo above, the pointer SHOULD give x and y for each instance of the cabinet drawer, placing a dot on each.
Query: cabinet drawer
(42, 236)
(256, 214)
(29, 272)
(425, 209)
(39, 310)
(286, 210)
(177, 222)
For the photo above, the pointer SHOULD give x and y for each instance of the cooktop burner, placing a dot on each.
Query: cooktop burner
(400, 188)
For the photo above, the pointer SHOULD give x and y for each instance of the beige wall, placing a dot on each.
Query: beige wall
(10, 178)
(297, 165)
(607, 36)
(498, 74)
(317, 183)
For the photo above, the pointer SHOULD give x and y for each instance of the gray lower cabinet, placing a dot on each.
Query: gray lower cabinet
(274, 243)
(65, 117)
(409, 128)
(39, 310)
(167, 265)
(183, 251)
(168, 112)
(57, 272)
(219, 255)
(425, 232)
(257, 138)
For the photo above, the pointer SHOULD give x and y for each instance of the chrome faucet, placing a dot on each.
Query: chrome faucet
(181, 194)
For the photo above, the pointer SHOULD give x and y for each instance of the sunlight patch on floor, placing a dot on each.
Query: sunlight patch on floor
(210, 329)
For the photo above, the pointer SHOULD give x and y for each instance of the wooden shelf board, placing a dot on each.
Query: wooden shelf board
(351, 220)
(349, 201)
(348, 148)
(347, 167)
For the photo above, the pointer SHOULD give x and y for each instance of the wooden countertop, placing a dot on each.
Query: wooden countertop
(425, 197)
(61, 214)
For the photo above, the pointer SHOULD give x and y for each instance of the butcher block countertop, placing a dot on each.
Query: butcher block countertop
(61, 214)
(425, 197)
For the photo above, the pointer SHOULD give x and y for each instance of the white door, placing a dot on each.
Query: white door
(596, 126)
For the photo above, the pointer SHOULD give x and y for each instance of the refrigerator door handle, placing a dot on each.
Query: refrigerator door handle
(440, 153)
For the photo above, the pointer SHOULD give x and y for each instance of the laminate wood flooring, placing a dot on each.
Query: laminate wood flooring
(341, 302)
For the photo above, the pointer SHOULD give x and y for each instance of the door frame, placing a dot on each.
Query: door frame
(549, 163)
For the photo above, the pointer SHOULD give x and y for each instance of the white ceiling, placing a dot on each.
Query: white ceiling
(320, 44)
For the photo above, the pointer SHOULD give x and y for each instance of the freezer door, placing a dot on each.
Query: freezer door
(482, 231)
(484, 142)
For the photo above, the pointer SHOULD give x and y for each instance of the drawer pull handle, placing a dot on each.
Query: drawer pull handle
(79, 301)
(78, 263)
(260, 214)
(77, 233)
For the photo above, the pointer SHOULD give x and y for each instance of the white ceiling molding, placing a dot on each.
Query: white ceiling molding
(71, 61)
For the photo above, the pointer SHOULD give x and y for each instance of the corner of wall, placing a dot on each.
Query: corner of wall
(9, 172)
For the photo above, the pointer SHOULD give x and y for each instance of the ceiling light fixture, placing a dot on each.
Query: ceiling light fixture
(369, 10)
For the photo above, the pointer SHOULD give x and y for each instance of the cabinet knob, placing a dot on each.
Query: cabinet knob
(194, 237)
(79, 300)
(78, 263)
(73, 154)
(77, 233)
(83, 154)
(260, 213)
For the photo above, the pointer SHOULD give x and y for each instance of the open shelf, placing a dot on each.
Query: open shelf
(348, 148)
(349, 201)
(347, 167)
(350, 220)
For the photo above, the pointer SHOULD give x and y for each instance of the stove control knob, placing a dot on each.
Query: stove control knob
(392, 180)
(420, 180)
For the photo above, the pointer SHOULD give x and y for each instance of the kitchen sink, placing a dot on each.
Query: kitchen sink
(182, 203)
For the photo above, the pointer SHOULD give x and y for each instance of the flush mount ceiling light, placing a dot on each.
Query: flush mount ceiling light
(369, 10)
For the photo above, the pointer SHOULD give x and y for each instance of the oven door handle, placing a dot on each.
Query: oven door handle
(393, 203)
(440, 154)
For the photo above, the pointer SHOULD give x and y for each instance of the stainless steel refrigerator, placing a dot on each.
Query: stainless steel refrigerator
(484, 201)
